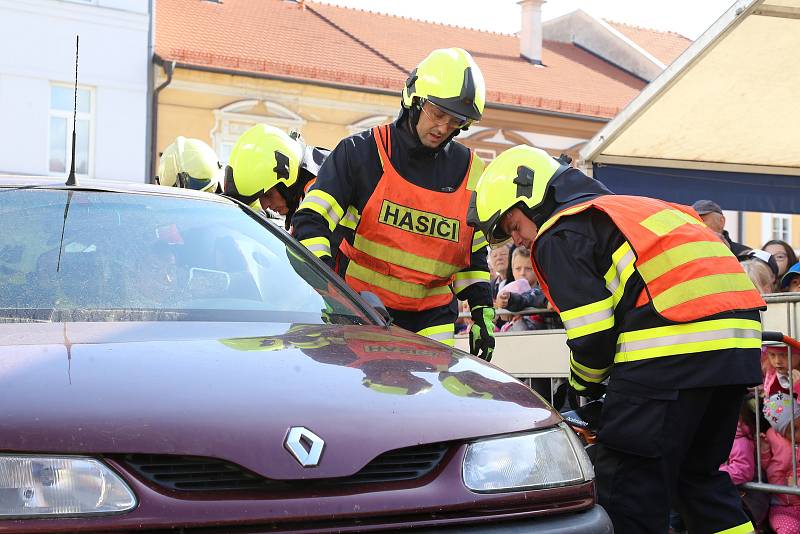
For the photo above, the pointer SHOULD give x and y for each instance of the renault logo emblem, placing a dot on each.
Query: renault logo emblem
(305, 446)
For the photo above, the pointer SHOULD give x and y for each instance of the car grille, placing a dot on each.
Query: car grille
(192, 473)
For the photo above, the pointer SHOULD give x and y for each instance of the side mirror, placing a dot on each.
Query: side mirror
(375, 301)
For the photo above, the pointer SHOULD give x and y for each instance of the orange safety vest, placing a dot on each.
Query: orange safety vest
(687, 274)
(410, 241)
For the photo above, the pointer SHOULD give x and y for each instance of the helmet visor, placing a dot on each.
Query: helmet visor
(441, 116)
(187, 181)
(490, 227)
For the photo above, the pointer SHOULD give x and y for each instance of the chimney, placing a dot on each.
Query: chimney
(530, 33)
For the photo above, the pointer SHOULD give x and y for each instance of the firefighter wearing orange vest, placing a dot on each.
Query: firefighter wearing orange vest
(656, 304)
(400, 192)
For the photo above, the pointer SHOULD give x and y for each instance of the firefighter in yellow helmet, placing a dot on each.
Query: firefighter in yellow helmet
(270, 169)
(191, 164)
(653, 302)
(398, 194)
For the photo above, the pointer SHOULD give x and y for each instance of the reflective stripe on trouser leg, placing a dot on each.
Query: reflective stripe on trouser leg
(442, 333)
(745, 528)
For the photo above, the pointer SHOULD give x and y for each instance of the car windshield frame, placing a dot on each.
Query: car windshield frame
(316, 266)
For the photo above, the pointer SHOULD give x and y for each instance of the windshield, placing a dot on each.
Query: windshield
(102, 256)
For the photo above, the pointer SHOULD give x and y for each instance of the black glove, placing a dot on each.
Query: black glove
(481, 333)
(589, 390)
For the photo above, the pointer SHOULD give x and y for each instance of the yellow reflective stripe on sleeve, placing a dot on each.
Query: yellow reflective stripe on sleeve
(587, 373)
(319, 246)
(351, 218)
(389, 283)
(479, 241)
(667, 220)
(588, 319)
(669, 259)
(475, 170)
(744, 528)
(701, 287)
(689, 338)
(404, 259)
(464, 279)
(622, 267)
(321, 202)
(444, 333)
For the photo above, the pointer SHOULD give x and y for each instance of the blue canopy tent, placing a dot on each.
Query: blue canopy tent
(721, 122)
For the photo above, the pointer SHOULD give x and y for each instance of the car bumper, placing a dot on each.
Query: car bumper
(592, 521)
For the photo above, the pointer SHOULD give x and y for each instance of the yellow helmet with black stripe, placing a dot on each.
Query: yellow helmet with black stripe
(451, 79)
(263, 157)
(520, 176)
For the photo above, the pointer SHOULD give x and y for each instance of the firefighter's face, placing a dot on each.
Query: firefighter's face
(435, 125)
(273, 200)
(521, 229)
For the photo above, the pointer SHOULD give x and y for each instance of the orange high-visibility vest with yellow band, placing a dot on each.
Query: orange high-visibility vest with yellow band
(408, 256)
(688, 272)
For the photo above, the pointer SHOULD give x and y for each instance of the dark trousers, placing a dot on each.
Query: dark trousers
(666, 451)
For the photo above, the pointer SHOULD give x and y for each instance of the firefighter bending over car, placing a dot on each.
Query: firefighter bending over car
(269, 169)
(191, 164)
(399, 194)
(652, 300)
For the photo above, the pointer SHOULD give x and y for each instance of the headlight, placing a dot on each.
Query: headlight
(543, 459)
(60, 485)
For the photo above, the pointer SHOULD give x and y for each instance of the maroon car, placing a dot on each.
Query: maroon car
(172, 360)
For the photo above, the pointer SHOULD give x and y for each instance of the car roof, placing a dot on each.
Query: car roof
(111, 186)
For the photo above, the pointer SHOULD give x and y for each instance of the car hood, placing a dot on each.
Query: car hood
(233, 390)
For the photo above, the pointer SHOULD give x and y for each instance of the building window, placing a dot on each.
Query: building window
(776, 226)
(60, 149)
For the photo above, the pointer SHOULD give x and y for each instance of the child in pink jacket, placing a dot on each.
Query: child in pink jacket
(775, 364)
(776, 460)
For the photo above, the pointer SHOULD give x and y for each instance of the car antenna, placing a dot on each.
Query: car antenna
(71, 181)
(71, 178)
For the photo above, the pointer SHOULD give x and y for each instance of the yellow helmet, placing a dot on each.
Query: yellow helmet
(191, 164)
(451, 79)
(520, 176)
(263, 157)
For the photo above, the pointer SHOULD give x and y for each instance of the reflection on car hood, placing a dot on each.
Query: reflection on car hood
(233, 390)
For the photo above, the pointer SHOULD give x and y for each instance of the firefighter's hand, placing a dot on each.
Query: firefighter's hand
(481, 333)
(589, 390)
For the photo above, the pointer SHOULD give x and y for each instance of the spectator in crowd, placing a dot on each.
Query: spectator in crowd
(775, 364)
(791, 280)
(783, 253)
(516, 323)
(763, 267)
(498, 267)
(522, 267)
(712, 215)
(760, 274)
(776, 460)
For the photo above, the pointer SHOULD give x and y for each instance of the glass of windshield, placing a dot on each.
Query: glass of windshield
(99, 256)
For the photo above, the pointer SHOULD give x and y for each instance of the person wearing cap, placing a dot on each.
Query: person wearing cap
(271, 170)
(764, 257)
(791, 280)
(191, 164)
(656, 305)
(712, 215)
(401, 192)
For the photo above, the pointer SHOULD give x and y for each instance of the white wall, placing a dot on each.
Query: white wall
(37, 38)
